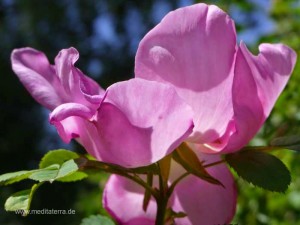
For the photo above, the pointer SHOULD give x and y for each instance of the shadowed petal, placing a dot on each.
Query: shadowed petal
(257, 84)
(120, 142)
(123, 199)
(206, 203)
(140, 122)
(193, 49)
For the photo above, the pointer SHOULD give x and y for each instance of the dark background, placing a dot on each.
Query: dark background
(107, 33)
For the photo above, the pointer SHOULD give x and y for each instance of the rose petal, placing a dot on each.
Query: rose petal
(64, 64)
(140, 122)
(81, 88)
(38, 76)
(54, 85)
(121, 193)
(193, 48)
(258, 82)
(64, 119)
(206, 203)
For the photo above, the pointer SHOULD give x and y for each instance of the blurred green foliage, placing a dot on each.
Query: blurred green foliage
(107, 33)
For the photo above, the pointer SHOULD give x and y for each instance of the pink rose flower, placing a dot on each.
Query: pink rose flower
(231, 93)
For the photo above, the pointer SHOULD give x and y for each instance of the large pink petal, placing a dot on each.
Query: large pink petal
(140, 122)
(206, 203)
(38, 76)
(257, 84)
(193, 48)
(123, 199)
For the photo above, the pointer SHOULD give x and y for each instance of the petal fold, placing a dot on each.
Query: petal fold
(64, 119)
(52, 85)
(79, 87)
(258, 82)
(140, 122)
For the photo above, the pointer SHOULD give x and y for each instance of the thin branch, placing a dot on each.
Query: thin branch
(214, 163)
(124, 172)
(171, 189)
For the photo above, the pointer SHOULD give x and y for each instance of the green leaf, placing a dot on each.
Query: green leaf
(189, 160)
(21, 200)
(9, 178)
(97, 220)
(77, 176)
(55, 165)
(261, 169)
(68, 172)
(47, 174)
(57, 157)
(171, 213)
(288, 142)
(67, 168)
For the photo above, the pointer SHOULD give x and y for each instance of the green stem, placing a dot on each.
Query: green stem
(89, 164)
(161, 210)
(214, 163)
(161, 201)
(172, 187)
(263, 148)
(138, 180)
